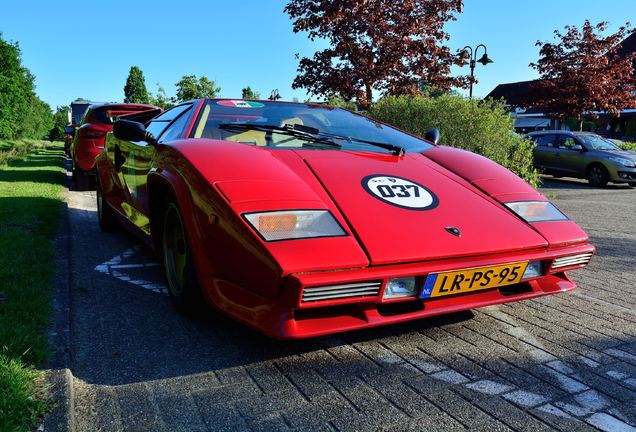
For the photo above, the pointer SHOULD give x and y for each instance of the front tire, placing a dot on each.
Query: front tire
(177, 262)
(598, 175)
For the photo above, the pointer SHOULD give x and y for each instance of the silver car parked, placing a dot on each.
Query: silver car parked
(583, 155)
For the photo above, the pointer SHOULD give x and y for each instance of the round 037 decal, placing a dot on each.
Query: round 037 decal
(400, 192)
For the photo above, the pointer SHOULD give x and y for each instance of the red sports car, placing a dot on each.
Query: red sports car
(89, 137)
(301, 220)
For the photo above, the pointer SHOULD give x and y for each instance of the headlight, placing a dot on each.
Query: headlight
(622, 161)
(536, 211)
(294, 224)
(400, 287)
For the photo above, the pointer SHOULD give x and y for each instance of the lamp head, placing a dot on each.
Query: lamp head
(485, 59)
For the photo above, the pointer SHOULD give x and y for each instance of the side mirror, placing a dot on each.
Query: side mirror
(432, 136)
(577, 147)
(128, 130)
(69, 130)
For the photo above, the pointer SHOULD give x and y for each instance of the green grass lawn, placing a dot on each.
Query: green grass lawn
(31, 184)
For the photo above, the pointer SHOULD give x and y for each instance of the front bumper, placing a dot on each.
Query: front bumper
(622, 174)
(288, 317)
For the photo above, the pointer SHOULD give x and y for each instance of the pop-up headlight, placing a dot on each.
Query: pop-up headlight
(294, 224)
(536, 211)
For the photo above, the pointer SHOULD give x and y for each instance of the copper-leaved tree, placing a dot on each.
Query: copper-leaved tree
(582, 73)
(383, 45)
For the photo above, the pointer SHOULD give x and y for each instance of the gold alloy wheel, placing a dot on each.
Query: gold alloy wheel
(175, 255)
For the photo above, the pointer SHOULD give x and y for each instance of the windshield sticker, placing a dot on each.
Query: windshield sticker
(240, 104)
(400, 192)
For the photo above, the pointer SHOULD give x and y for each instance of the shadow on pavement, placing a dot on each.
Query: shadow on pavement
(561, 183)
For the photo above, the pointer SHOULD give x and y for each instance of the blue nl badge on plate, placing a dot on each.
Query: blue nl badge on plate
(429, 284)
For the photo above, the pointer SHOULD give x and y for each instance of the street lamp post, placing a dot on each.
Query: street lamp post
(473, 62)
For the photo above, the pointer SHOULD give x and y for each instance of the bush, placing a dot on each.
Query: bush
(480, 126)
(625, 145)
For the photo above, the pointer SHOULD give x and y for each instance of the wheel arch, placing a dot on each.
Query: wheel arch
(593, 163)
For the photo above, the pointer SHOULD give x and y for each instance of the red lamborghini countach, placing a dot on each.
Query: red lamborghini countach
(301, 220)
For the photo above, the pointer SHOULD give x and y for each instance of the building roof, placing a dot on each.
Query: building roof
(628, 46)
(513, 93)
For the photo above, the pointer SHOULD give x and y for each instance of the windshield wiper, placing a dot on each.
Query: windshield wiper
(397, 150)
(296, 131)
(310, 133)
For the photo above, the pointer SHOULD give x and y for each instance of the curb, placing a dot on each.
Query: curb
(58, 375)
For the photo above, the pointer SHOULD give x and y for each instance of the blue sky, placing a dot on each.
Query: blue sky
(85, 49)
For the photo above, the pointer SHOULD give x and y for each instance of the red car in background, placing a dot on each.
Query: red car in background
(89, 137)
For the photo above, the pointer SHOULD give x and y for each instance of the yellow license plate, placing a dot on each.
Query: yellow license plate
(475, 279)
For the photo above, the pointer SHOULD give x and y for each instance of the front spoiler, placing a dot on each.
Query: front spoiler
(288, 318)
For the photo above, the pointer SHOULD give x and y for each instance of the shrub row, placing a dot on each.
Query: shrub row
(480, 126)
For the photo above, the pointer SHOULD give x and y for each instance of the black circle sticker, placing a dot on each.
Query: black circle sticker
(400, 192)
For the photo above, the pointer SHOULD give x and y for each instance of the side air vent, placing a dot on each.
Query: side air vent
(334, 292)
(572, 260)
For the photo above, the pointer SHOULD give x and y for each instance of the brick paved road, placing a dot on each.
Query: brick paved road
(564, 362)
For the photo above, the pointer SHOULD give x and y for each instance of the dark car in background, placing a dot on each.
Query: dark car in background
(583, 155)
(89, 137)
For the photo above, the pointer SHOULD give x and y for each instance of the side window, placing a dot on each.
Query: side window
(547, 140)
(173, 113)
(175, 130)
(158, 125)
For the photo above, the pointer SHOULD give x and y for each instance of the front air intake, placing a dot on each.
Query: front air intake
(342, 291)
(572, 260)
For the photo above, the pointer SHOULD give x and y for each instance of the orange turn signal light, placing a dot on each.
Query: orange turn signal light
(277, 223)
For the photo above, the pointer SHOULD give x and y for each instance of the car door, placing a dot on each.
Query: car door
(544, 152)
(572, 158)
(138, 156)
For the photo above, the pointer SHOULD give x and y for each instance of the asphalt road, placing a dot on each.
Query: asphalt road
(565, 362)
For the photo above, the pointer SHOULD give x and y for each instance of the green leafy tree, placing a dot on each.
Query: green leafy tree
(161, 99)
(191, 87)
(60, 121)
(339, 102)
(135, 89)
(22, 113)
(479, 126)
(248, 93)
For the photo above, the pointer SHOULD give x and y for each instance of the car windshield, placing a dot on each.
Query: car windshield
(289, 125)
(596, 142)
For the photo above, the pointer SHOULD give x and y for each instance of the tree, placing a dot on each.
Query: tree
(161, 99)
(60, 121)
(383, 45)
(22, 113)
(191, 87)
(582, 73)
(135, 89)
(248, 93)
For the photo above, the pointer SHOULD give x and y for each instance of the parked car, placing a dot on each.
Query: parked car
(302, 219)
(77, 110)
(583, 155)
(89, 137)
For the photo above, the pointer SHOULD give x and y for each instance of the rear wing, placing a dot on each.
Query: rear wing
(140, 116)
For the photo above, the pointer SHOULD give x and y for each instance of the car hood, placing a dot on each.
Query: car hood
(410, 209)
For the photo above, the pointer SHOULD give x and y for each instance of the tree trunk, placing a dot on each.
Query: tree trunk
(369, 94)
(580, 119)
